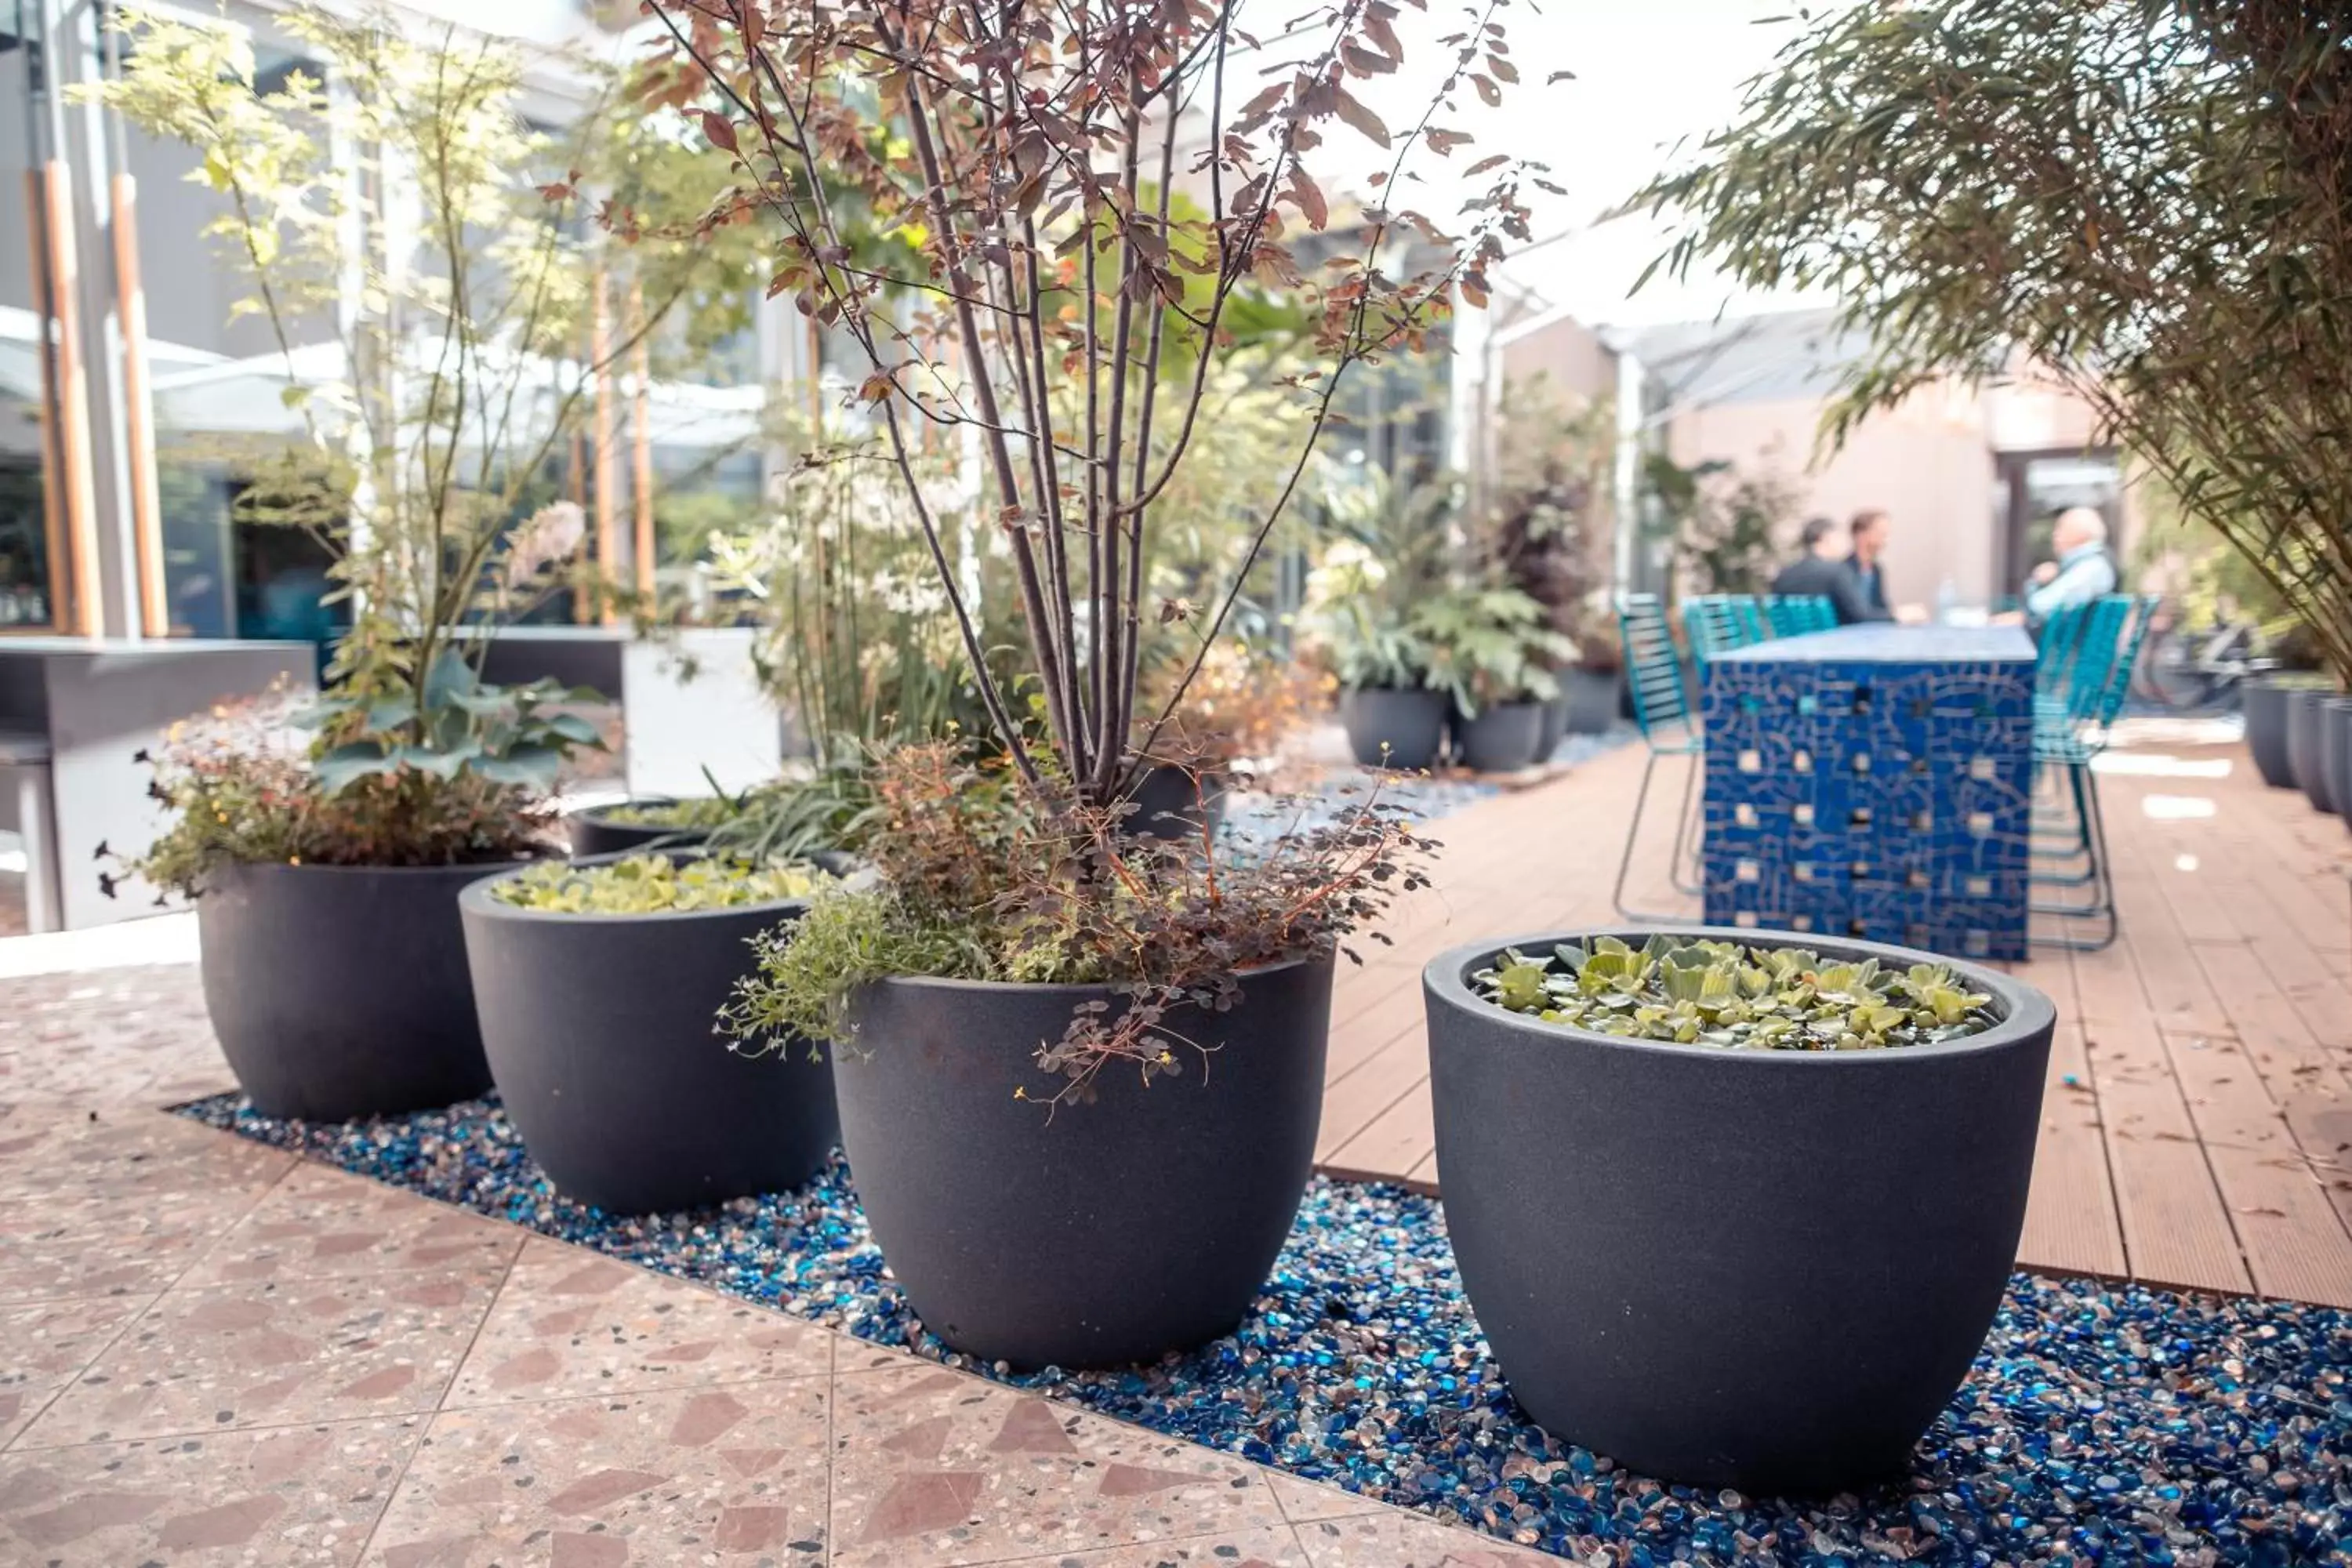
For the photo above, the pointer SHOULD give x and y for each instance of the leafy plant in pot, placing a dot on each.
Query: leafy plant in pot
(1019, 955)
(1492, 651)
(1731, 1212)
(1389, 554)
(614, 1082)
(430, 406)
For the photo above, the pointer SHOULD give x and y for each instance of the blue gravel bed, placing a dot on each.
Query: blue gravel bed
(2103, 1424)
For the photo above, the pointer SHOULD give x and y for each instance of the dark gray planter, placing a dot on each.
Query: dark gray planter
(593, 832)
(1170, 802)
(1593, 698)
(1502, 738)
(600, 1033)
(1410, 724)
(2306, 754)
(1763, 1269)
(1554, 728)
(2266, 730)
(1103, 1233)
(340, 992)
(2335, 752)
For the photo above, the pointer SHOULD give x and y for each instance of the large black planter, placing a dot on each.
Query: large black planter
(1409, 724)
(2305, 745)
(1103, 1233)
(2266, 730)
(1171, 802)
(1502, 738)
(1756, 1268)
(599, 1031)
(593, 832)
(1592, 697)
(2335, 752)
(342, 990)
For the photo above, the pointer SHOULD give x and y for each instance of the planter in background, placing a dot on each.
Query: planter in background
(1410, 724)
(1554, 728)
(1758, 1268)
(2267, 700)
(2306, 755)
(2335, 752)
(1112, 1232)
(1170, 802)
(593, 832)
(1501, 740)
(600, 1030)
(340, 992)
(1593, 696)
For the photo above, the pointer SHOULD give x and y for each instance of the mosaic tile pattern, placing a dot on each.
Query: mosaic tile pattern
(1874, 783)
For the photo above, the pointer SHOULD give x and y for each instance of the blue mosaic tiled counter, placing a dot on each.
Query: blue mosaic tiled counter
(1873, 781)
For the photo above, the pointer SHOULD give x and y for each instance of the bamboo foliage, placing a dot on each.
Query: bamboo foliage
(1084, 307)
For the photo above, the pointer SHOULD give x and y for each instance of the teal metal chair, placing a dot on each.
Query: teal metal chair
(1669, 726)
(2088, 652)
(1748, 614)
(1795, 615)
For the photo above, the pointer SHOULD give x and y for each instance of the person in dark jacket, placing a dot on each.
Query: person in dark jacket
(1860, 592)
(1812, 574)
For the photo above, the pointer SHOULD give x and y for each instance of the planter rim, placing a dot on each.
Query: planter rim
(468, 867)
(475, 897)
(2024, 1012)
(2295, 679)
(597, 813)
(1082, 990)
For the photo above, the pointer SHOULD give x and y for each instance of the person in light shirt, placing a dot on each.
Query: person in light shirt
(2083, 571)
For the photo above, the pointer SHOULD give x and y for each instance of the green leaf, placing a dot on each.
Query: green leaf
(347, 764)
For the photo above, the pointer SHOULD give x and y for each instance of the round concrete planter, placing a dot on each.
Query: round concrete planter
(600, 1034)
(342, 990)
(593, 832)
(1593, 698)
(2305, 745)
(1502, 738)
(1409, 724)
(1170, 802)
(2335, 752)
(1105, 1234)
(2266, 730)
(1756, 1268)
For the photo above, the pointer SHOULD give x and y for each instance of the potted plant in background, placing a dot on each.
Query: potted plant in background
(1387, 551)
(1544, 522)
(598, 983)
(1595, 688)
(1492, 652)
(1037, 1018)
(1731, 1212)
(644, 820)
(428, 416)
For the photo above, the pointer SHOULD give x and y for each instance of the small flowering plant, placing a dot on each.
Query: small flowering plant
(1722, 993)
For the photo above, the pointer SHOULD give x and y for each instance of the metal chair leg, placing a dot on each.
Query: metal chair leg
(1632, 838)
(1687, 831)
(2102, 907)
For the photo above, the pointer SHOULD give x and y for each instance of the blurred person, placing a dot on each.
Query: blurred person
(1814, 574)
(2083, 569)
(1859, 594)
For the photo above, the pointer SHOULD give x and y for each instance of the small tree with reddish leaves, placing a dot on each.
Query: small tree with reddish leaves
(1096, 186)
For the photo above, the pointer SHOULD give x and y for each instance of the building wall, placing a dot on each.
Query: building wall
(1568, 353)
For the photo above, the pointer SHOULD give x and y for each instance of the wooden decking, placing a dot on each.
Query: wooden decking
(2197, 1130)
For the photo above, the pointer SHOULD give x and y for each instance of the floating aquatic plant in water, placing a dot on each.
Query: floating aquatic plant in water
(1726, 994)
(656, 884)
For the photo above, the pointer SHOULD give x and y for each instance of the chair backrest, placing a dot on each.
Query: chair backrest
(2053, 652)
(1654, 668)
(1748, 615)
(2080, 691)
(1715, 623)
(2111, 702)
(1794, 614)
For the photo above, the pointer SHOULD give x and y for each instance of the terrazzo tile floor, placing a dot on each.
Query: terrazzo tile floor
(215, 1352)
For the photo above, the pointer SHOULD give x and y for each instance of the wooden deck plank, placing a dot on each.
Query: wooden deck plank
(2071, 1223)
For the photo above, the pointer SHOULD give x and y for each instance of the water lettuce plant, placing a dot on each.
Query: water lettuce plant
(657, 884)
(1726, 994)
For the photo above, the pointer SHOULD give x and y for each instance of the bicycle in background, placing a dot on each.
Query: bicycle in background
(2190, 669)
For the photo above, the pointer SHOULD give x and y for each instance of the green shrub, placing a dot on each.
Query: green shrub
(656, 884)
(1722, 993)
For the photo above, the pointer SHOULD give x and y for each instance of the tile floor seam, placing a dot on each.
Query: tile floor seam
(16, 1443)
(475, 1408)
(1282, 1527)
(832, 1438)
(456, 1366)
(10, 1447)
